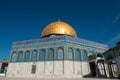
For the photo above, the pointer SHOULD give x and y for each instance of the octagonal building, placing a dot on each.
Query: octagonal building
(58, 53)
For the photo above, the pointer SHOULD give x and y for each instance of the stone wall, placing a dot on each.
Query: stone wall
(49, 69)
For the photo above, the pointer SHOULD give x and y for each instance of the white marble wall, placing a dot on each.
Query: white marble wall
(85, 68)
(49, 69)
(40, 68)
(58, 68)
(77, 69)
(68, 68)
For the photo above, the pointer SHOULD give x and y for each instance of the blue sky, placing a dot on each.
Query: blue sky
(96, 20)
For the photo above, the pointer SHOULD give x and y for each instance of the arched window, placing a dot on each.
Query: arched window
(51, 54)
(27, 55)
(70, 53)
(85, 58)
(20, 55)
(78, 55)
(60, 53)
(34, 55)
(42, 55)
(14, 56)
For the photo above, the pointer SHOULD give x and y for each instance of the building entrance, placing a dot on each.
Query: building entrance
(93, 69)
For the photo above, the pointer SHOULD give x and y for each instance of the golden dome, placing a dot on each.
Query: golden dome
(58, 28)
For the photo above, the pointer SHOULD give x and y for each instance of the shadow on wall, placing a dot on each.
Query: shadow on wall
(99, 76)
(90, 75)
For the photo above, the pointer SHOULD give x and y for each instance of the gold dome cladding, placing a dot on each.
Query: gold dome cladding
(58, 28)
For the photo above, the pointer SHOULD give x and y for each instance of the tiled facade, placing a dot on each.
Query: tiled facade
(58, 56)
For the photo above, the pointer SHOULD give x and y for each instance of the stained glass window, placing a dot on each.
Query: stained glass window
(85, 58)
(14, 56)
(34, 55)
(60, 53)
(51, 55)
(20, 55)
(42, 55)
(27, 55)
(70, 53)
(78, 54)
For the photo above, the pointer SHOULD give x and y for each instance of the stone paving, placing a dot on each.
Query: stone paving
(13, 78)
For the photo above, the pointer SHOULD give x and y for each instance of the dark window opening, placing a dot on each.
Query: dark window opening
(33, 71)
(99, 55)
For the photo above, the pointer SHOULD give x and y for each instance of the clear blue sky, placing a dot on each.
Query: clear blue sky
(96, 20)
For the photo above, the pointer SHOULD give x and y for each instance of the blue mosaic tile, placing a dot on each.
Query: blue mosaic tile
(64, 38)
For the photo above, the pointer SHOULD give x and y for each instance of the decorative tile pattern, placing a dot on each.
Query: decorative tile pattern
(66, 43)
